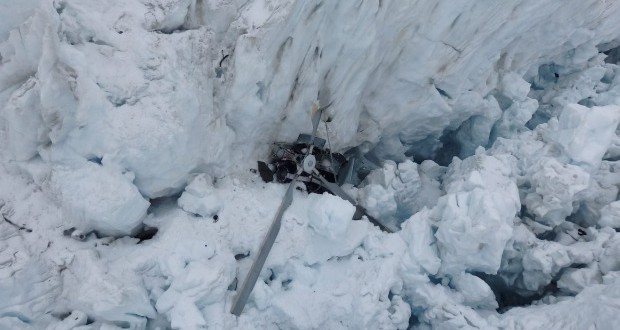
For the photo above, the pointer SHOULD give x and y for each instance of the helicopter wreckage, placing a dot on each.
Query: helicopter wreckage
(306, 161)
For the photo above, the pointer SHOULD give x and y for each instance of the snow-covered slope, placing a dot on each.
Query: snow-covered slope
(111, 109)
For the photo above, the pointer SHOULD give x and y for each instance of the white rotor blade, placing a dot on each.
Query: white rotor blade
(259, 262)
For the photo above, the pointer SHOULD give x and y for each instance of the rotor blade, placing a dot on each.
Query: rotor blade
(335, 189)
(374, 221)
(316, 119)
(259, 262)
(338, 191)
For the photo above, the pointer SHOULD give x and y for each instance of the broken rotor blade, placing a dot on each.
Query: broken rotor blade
(259, 262)
(315, 115)
(338, 191)
(335, 189)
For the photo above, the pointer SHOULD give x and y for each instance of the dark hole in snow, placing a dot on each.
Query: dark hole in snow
(218, 72)
(60, 7)
(547, 73)
(122, 324)
(95, 159)
(613, 55)
(547, 236)
(116, 101)
(450, 148)
(503, 101)
(443, 93)
(61, 315)
(272, 276)
(240, 256)
(508, 298)
(233, 285)
(434, 279)
(286, 284)
(587, 102)
(413, 319)
(146, 233)
(164, 202)
(177, 29)
(215, 218)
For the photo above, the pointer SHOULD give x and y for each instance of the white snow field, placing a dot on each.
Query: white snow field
(495, 125)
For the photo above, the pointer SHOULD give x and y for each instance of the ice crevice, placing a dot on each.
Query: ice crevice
(496, 142)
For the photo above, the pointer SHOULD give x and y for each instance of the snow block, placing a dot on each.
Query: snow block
(476, 293)
(329, 215)
(610, 215)
(555, 186)
(475, 218)
(587, 133)
(95, 197)
(200, 197)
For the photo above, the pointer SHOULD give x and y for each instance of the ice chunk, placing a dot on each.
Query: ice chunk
(475, 218)
(329, 215)
(399, 191)
(514, 87)
(608, 259)
(610, 215)
(472, 232)
(379, 201)
(554, 188)
(200, 197)
(98, 197)
(422, 254)
(476, 293)
(587, 133)
(575, 280)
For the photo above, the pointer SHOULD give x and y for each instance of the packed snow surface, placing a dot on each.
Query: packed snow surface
(493, 125)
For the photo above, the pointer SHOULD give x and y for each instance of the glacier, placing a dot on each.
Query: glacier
(494, 125)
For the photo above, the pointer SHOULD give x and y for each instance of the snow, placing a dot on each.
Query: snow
(496, 139)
